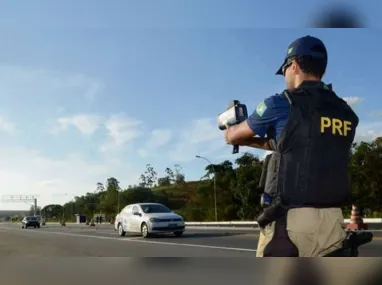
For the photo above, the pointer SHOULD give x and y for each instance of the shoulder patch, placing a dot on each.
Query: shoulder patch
(261, 108)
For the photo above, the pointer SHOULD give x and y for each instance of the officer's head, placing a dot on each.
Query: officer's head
(306, 59)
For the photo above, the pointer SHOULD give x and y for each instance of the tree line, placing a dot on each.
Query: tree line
(237, 189)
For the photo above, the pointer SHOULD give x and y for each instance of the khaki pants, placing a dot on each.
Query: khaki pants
(315, 232)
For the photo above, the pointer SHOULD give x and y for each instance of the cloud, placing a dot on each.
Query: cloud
(36, 84)
(368, 131)
(28, 172)
(121, 130)
(353, 101)
(7, 126)
(201, 131)
(158, 138)
(202, 137)
(47, 183)
(377, 114)
(86, 124)
(142, 152)
(93, 91)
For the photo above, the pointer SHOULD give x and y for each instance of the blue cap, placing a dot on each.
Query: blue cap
(305, 46)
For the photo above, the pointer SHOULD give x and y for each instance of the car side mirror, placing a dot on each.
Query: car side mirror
(137, 214)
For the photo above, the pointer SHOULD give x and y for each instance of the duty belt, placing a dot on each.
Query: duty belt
(265, 200)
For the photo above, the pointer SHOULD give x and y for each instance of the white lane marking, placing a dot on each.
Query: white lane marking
(195, 245)
(137, 240)
(222, 229)
(90, 232)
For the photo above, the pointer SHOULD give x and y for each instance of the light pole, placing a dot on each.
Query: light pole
(213, 169)
(118, 198)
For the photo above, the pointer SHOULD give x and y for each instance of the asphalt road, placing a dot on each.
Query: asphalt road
(103, 241)
(67, 255)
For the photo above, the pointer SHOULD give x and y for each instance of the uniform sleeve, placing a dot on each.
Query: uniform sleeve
(265, 116)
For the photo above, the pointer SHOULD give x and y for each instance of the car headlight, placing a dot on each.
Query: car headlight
(155, 220)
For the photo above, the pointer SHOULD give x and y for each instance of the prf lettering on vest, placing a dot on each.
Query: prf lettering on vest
(336, 126)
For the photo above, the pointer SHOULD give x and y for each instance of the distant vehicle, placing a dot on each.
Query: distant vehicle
(41, 219)
(116, 222)
(148, 219)
(30, 221)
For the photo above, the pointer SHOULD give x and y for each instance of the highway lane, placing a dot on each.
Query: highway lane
(103, 241)
(75, 242)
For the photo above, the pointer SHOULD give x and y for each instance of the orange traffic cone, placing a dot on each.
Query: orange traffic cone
(356, 221)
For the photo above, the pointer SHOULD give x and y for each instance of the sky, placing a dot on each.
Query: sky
(102, 90)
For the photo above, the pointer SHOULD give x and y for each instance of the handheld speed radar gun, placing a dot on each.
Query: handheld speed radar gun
(233, 115)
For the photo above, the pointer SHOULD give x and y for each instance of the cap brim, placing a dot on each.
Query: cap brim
(280, 71)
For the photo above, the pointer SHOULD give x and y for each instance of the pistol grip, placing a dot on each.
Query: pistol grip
(235, 149)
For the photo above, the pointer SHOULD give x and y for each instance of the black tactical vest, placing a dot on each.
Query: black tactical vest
(309, 167)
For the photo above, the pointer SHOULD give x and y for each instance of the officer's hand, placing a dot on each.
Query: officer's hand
(225, 137)
(227, 134)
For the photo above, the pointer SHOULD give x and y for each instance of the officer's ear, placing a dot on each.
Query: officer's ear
(295, 68)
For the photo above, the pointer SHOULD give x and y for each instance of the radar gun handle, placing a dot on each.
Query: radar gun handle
(235, 148)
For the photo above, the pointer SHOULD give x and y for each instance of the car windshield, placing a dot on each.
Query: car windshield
(155, 208)
(31, 218)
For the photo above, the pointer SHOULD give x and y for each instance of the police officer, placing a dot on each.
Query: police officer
(309, 130)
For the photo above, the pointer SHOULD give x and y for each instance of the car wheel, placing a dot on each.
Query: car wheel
(34, 227)
(38, 226)
(22, 227)
(145, 231)
(121, 232)
(178, 234)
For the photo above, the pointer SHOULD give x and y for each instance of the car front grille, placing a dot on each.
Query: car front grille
(177, 228)
(170, 220)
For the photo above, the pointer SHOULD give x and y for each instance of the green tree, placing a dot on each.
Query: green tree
(52, 211)
(366, 174)
(168, 179)
(237, 191)
(100, 187)
(245, 190)
(179, 176)
(149, 178)
(170, 175)
(112, 184)
(108, 203)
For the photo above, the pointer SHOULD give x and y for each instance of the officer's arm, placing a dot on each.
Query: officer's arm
(243, 135)
(264, 117)
(257, 142)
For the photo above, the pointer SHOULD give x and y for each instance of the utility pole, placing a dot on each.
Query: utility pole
(213, 169)
(35, 207)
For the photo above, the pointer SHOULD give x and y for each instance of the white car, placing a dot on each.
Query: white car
(116, 222)
(149, 218)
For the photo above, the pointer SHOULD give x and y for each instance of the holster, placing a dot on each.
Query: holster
(271, 213)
